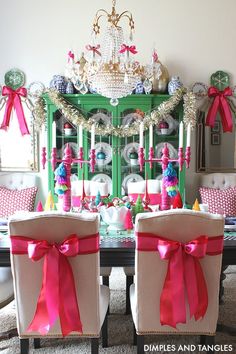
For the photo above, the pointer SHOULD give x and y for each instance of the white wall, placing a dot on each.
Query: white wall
(193, 38)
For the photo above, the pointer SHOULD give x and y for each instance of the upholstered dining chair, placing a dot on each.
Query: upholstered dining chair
(55, 265)
(134, 190)
(178, 265)
(11, 184)
(218, 191)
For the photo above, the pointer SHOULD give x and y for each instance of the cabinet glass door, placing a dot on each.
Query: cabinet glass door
(127, 150)
(103, 148)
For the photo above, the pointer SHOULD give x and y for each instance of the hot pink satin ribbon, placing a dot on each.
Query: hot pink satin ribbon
(221, 105)
(14, 100)
(93, 48)
(184, 272)
(58, 293)
(131, 49)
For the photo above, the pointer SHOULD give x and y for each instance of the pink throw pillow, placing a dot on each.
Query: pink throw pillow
(12, 200)
(222, 201)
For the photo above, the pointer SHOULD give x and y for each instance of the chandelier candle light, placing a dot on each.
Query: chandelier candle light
(68, 160)
(165, 159)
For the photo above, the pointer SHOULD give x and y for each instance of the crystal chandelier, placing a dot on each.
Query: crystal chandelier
(110, 68)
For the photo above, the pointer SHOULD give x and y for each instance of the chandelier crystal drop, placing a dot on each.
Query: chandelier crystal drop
(109, 68)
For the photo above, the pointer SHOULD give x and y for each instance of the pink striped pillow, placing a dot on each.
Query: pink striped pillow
(12, 200)
(222, 201)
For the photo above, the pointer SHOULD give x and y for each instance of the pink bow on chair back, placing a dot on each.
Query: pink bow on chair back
(184, 273)
(57, 298)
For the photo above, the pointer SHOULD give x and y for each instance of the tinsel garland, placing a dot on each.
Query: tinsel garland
(154, 117)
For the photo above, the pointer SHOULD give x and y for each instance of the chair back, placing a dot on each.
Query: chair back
(218, 180)
(182, 226)
(27, 274)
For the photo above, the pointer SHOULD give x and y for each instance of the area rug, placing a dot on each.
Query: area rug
(120, 333)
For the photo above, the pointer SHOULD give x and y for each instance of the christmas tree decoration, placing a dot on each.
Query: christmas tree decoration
(170, 180)
(133, 156)
(49, 205)
(98, 198)
(128, 224)
(196, 206)
(39, 206)
(178, 203)
(61, 180)
(138, 206)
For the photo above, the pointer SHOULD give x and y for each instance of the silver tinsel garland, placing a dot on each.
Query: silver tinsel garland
(154, 117)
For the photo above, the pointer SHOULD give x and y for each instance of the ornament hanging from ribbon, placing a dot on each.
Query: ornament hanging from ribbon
(14, 101)
(220, 105)
(221, 100)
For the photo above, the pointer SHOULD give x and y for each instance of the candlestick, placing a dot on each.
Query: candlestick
(54, 135)
(92, 136)
(141, 129)
(81, 136)
(44, 136)
(151, 136)
(181, 134)
(188, 135)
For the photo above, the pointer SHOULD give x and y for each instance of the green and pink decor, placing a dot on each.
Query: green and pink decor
(14, 91)
(219, 95)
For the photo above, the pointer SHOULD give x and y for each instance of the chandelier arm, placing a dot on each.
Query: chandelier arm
(100, 13)
(129, 16)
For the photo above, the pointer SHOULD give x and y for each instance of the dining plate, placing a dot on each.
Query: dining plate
(127, 150)
(102, 177)
(173, 153)
(132, 177)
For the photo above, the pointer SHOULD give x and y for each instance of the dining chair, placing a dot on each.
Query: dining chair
(134, 190)
(9, 184)
(55, 264)
(177, 267)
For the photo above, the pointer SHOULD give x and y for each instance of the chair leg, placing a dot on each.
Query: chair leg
(140, 344)
(129, 281)
(105, 332)
(202, 339)
(37, 343)
(210, 340)
(134, 336)
(24, 346)
(105, 281)
(94, 345)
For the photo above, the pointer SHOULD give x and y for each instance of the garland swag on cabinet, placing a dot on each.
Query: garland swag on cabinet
(116, 158)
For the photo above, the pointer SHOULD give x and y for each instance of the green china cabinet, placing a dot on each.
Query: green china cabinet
(116, 158)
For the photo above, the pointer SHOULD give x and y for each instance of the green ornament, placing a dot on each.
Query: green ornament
(220, 80)
(14, 78)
